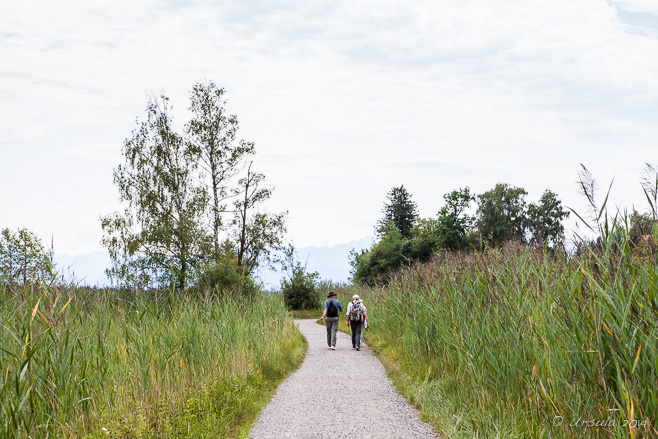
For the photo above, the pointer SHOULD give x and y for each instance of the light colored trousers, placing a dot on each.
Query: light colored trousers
(332, 330)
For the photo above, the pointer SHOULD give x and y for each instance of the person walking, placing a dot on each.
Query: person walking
(355, 321)
(330, 316)
(365, 319)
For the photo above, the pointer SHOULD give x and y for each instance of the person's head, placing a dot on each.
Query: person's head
(355, 297)
(331, 294)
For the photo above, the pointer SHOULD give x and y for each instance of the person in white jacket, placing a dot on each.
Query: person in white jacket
(365, 319)
(355, 321)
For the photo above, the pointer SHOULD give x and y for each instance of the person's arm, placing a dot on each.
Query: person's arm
(324, 312)
(365, 315)
(347, 314)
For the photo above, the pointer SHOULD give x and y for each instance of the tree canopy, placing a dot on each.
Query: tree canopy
(544, 220)
(502, 215)
(177, 187)
(211, 134)
(400, 210)
(159, 237)
(23, 258)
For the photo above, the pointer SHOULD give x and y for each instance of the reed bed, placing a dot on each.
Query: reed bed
(85, 363)
(527, 343)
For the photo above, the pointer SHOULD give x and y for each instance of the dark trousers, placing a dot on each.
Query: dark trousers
(357, 327)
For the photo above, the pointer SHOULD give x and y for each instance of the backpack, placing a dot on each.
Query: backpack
(356, 313)
(332, 310)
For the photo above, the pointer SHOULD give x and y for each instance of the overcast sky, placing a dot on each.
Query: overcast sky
(343, 99)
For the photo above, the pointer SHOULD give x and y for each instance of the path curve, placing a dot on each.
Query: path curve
(338, 394)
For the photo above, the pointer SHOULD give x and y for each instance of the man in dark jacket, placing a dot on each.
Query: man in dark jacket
(330, 316)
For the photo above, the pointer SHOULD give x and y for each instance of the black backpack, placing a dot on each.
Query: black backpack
(332, 310)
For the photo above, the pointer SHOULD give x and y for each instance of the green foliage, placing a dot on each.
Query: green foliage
(157, 240)
(426, 237)
(544, 220)
(24, 259)
(177, 187)
(501, 214)
(92, 363)
(373, 266)
(501, 217)
(642, 228)
(212, 134)
(400, 209)
(256, 233)
(522, 341)
(499, 344)
(301, 291)
(454, 222)
(223, 275)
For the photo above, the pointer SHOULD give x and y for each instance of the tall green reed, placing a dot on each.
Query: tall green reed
(529, 342)
(89, 362)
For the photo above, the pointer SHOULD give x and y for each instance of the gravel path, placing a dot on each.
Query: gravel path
(338, 394)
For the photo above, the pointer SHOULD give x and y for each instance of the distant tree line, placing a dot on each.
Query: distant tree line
(501, 215)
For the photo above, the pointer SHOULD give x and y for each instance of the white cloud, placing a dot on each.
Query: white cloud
(642, 6)
(344, 99)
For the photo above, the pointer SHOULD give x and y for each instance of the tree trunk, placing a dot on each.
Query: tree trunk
(182, 274)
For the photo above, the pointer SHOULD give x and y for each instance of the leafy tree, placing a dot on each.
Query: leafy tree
(425, 239)
(501, 214)
(544, 219)
(391, 252)
(212, 135)
(426, 236)
(23, 258)
(400, 209)
(177, 187)
(360, 263)
(453, 219)
(159, 238)
(256, 232)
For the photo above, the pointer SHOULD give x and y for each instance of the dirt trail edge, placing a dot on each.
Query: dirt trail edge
(338, 394)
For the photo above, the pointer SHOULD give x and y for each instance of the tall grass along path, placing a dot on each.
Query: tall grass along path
(338, 394)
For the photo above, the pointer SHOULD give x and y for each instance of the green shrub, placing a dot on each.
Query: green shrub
(301, 290)
(224, 275)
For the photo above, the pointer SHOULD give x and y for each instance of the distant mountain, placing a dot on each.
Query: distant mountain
(331, 262)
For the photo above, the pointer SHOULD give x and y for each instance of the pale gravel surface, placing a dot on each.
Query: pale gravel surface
(338, 394)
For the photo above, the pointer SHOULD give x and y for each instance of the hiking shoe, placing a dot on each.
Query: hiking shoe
(328, 347)
(333, 348)
(358, 348)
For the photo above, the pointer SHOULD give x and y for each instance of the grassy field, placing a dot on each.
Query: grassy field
(84, 363)
(522, 343)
